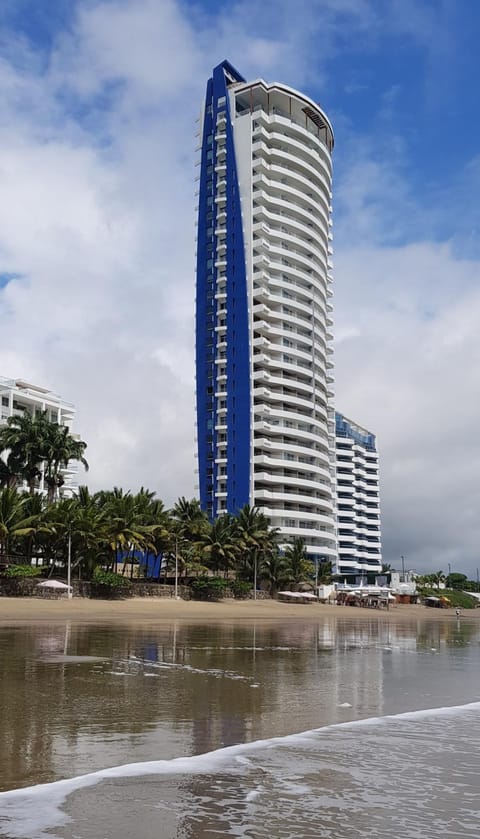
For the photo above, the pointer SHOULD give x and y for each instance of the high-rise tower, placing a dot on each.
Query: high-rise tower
(358, 501)
(265, 421)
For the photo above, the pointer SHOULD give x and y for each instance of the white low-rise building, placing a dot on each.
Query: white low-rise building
(19, 397)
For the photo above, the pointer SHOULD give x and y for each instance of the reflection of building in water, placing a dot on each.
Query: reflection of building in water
(358, 669)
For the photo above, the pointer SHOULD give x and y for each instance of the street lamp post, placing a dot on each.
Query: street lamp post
(255, 575)
(403, 568)
(69, 564)
(176, 567)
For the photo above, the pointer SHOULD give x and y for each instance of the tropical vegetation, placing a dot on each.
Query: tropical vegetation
(112, 536)
(32, 446)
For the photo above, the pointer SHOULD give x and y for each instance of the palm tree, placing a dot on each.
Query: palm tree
(275, 571)
(325, 572)
(192, 520)
(58, 448)
(14, 521)
(254, 536)
(296, 562)
(437, 578)
(133, 523)
(33, 440)
(22, 437)
(11, 470)
(84, 525)
(218, 545)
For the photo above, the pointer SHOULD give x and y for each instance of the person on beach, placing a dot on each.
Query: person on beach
(458, 612)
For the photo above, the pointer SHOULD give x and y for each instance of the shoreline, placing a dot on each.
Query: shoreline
(18, 610)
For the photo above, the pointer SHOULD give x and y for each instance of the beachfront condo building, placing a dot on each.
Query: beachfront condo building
(358, 502)
(19, 398)
(264, 370)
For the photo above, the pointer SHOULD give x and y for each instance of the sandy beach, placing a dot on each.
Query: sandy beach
(145, 610)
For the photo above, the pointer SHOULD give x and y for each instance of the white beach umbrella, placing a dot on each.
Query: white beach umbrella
(53, 584)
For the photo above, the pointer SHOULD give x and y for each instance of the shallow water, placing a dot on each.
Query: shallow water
(78, 699)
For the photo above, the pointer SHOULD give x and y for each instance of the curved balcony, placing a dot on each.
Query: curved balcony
(298, 244)
(281, 463)
(277, 189)
(265, 431)
(296, 257)
(280, 155)
(264, 222)
(269, 209)
(275, 310)
(302, 146)
(282, 481)
(317, 380)
(274, 139)
(317, 495)
(284, 174)
(318, 297)
(301, 451)
(262, 395)
(317, 546)
(321, 518)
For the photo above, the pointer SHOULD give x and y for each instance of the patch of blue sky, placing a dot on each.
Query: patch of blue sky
(92, 111)
(39, 23)
(7, 277)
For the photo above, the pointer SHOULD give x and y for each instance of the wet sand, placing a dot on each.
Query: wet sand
(160, 609)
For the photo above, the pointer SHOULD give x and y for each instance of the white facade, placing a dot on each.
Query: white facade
(358, 500)
(19, 397)
(283, 147)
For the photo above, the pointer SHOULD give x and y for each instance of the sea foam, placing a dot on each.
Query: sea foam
(28, 812)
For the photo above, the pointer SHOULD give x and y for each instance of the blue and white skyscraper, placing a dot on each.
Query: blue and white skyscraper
(264, 371)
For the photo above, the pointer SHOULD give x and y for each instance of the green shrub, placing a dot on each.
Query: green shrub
(208, 588)
(240, 589)
(22, 571)
(109, 578)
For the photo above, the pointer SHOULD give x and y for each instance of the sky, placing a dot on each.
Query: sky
(98, 102)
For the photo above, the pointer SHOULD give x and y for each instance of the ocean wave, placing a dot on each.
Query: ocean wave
(30, 811)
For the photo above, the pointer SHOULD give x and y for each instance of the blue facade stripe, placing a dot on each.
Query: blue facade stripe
(237, 327)
(205, 293)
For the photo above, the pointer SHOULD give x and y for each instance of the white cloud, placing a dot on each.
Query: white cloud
(410, 373)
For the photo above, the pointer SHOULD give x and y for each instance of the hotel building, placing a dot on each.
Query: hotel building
(264, 370)
(358, 502)
(19, 398)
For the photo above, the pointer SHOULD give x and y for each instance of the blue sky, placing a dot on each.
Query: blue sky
(98, 100)
(400, 76)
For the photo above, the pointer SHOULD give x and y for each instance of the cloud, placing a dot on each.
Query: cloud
(409, 372)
